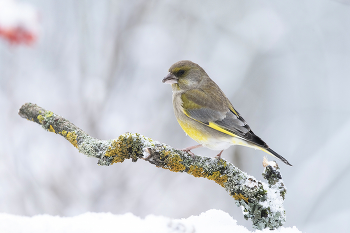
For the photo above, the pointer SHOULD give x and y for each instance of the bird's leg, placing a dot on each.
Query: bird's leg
(219, 155)
(188, 149)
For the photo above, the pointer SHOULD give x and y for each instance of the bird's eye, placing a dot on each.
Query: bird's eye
(180, 72)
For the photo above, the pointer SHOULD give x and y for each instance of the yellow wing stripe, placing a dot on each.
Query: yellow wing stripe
(218, 128)
(234, 111)
(214, 126)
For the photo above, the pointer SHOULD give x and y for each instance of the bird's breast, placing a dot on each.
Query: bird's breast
(192, 130)
(190, 126)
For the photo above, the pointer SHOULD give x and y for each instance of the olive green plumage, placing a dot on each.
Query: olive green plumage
(205, 113)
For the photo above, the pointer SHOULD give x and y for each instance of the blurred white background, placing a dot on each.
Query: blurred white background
(285, 66)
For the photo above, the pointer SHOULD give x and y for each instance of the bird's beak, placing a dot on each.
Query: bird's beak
(170, 79)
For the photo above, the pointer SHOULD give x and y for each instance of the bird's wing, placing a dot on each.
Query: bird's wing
(217, 114)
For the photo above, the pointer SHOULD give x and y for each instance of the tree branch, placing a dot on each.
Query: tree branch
(261, 202)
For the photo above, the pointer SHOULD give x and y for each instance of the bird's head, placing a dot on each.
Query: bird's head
(185, 75)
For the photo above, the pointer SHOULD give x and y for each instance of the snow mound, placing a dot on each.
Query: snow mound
(210, 221)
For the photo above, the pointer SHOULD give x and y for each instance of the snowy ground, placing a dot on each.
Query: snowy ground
(210, 221)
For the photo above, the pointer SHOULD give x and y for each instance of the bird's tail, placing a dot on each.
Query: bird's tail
(271, 152)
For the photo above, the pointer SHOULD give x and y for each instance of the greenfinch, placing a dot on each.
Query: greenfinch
(205, 113)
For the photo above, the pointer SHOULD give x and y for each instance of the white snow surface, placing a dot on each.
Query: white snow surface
(210, 221)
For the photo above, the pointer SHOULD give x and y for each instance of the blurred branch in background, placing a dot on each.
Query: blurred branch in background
(263, 203)
(102, 78)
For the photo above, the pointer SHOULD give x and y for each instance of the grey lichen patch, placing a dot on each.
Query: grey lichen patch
(259, 202)
(93, 147)
(270, 209)
(282, 190)
(274, 178)
(272, 175)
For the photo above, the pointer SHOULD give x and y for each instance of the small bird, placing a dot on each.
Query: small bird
(205, 113)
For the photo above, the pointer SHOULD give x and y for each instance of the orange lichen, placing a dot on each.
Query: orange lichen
(118, 151)
(64, 133)
(218, 178)
(125, 147)
(112, 149)
(40, 118)
(239, 196)
(72, 138)
(48, 114)
(173, 161)
(51, 129)
(197, 171)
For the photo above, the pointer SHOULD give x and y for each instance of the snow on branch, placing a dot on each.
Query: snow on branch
(261, 202)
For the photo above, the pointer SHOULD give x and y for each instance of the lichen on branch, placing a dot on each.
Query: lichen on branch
(261, 202)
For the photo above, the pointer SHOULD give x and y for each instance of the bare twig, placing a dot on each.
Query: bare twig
(261, 202)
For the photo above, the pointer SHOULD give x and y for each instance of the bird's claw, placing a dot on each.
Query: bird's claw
(218, 156)
(189, 152)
